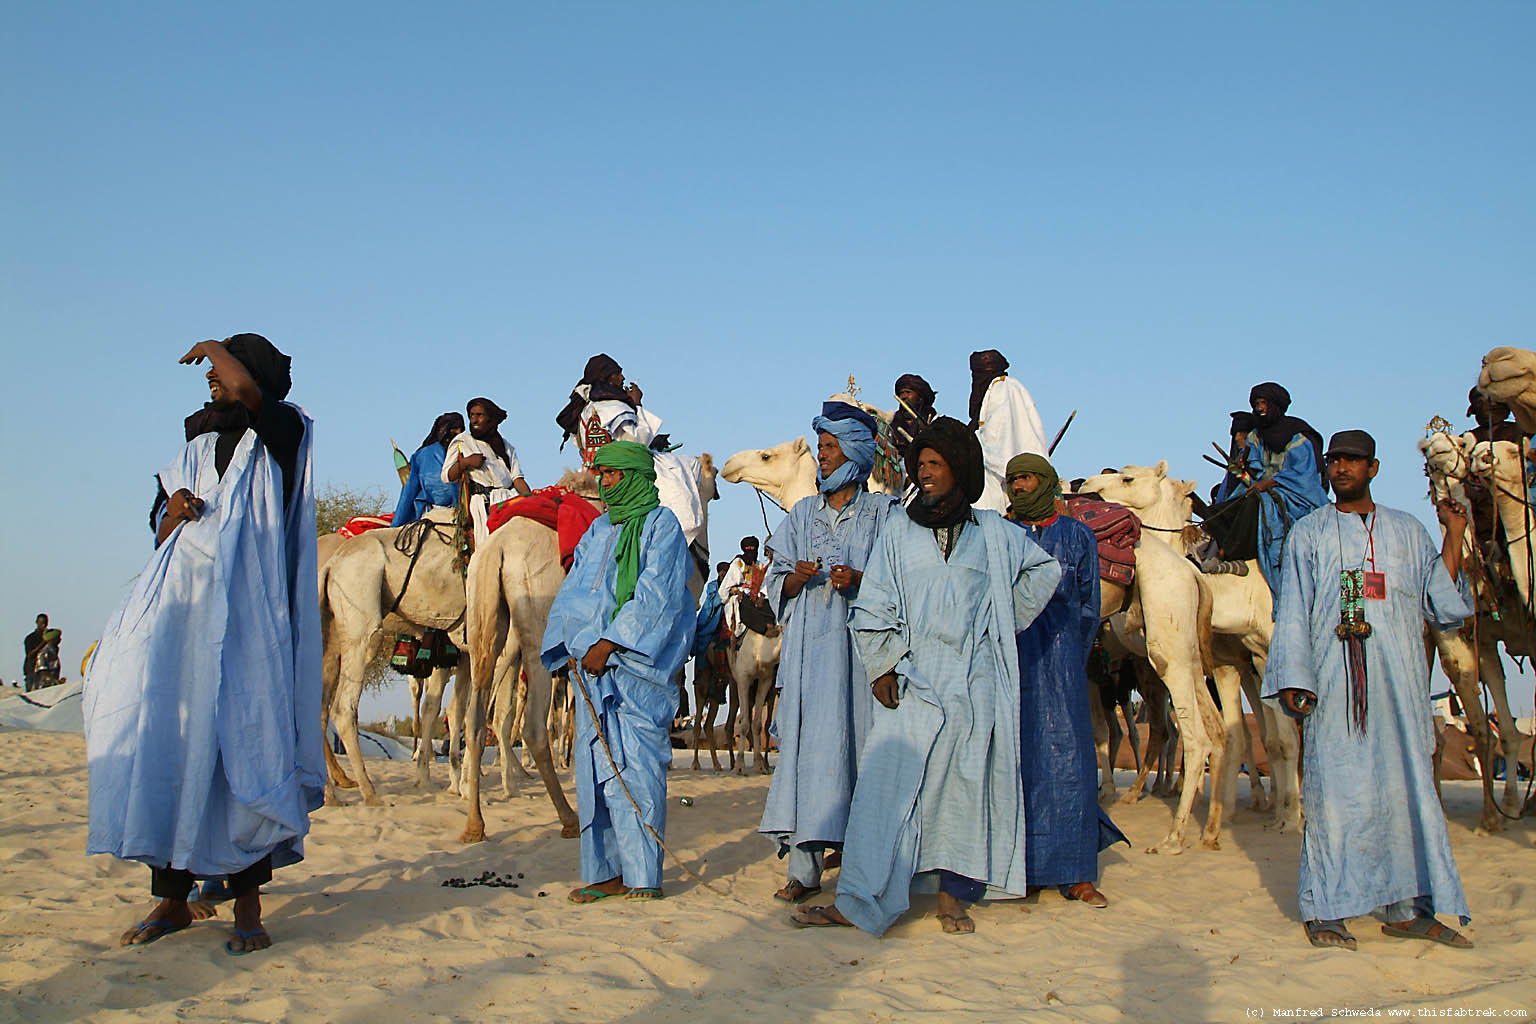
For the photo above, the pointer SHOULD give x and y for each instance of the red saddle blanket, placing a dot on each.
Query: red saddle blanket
(1117, 530)
(362, 524)
(559, 508)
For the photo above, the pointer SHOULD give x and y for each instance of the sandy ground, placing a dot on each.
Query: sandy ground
(365, 932)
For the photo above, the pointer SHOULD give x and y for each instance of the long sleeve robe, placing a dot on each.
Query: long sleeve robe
(424, 486)
(636, 695)
(1009, 425)
(202, 700)
(1064, 824)
(1298, 490)
(825, 706)
(1375, 832)
(677, 476)
(938, 784)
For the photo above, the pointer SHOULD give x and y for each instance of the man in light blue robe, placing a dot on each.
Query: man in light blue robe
(1375, 839)
(424, 487)
(946, 590)
(1065, 826)
(1284, 468)
(202, 700)
(624, 621)
(819, 554)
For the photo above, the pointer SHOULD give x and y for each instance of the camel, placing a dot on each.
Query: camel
(1242, 609)
(365, 599)
(1471, 655)
(707, 700)
(1509, 376)
(754, 669)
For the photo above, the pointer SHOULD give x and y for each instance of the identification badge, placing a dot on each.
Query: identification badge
(1375, 586)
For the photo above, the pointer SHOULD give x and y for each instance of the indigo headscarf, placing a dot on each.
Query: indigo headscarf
(958, 445)
(855, 432)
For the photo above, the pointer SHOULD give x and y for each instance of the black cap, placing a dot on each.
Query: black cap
(1352, 442)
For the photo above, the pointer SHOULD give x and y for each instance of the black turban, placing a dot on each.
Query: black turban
(442, 421)
(268, 367)
(1242, 422)
(493, 436)
(600, 369)
(1276, 429)
(906, 424)
(986, 366)
(925, 394)
(959, 447)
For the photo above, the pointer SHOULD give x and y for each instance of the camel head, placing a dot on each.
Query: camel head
(580, 481)
(1143, 489)
(1509, 376)
(785, 472)
(1497, 462)
(1446, 464)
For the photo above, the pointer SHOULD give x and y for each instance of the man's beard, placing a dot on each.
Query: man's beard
(1348, 493)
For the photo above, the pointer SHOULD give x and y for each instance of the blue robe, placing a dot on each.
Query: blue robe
(938, 781)
(825, 706)
(1298, 490)
(1064, 824)
(636, 695)
(202, 700)
(707, 624)
(1375, 832)
(424, 487)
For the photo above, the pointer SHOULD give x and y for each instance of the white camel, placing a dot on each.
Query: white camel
(754, 670)
(1509, 376)
(787, 472)
(371, 590)
(1471, 654)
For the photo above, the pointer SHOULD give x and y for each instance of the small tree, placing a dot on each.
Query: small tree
(335, 504)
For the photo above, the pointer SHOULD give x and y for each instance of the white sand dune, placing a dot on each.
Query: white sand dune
(366, 933)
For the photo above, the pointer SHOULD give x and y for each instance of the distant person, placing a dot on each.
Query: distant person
(1359, 580)
(624, 623)
(425, 488)
(1492, 418)
(946, 589)
(45, 667)
(914, 410)
(1006, 422)
(481, 460)
(202, 705)
(743, 581)
(603, 408)
(31, 645)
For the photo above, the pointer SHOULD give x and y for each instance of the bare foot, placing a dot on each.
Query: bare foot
(168, 916)
(819, 917)
(797, 892)
(249, 934)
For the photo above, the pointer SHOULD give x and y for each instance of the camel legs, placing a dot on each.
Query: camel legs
(708, 708)
(458, 710)
(426, 720)
(1492, 666)
(1105, 743)
(732, 716)
(508, 706)
(474, 722)
(766, 704)
(1281, 737)
(335, 777)
(1460, 662)
(1132, 736)
(354, 662)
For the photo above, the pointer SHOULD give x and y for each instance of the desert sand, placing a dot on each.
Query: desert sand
(365, 931)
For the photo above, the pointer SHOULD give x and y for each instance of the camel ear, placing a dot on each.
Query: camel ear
(1424, 446)
(1188, 486)
(706, 463)
(1161, 469)
(800, 445)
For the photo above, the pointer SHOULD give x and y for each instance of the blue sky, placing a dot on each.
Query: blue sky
(1147, 207)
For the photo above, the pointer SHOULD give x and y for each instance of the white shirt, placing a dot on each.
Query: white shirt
(1009, 425)
(494, 474)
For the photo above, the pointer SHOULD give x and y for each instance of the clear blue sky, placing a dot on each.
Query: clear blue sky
(1148, 207)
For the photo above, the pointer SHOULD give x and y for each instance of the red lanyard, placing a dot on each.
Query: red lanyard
(1370, 540)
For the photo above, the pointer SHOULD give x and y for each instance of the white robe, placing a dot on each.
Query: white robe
(1009, 425)
(677, 476)
(493, 474)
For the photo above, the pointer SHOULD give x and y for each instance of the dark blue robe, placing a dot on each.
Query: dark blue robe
(1064, 826)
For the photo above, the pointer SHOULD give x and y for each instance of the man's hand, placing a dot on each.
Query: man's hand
(596, 658)
(474, 461)
(183, 506)
(195, 354)
(845, 577)
(796, 581)
(884, 690)
(1298, 703)
(633, 391)
(1451, 515)
(1267, 484)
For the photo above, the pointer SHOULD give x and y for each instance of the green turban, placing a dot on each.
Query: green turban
(1040, 503)
(629, 502)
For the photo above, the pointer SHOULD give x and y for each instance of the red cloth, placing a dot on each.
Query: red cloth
(1117, 530)
(362, 524)
(559, 508)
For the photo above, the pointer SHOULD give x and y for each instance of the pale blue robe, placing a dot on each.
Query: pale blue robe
(825, 707)
(202, 701)
(1375, 833)
(636, 696)
(938, 784)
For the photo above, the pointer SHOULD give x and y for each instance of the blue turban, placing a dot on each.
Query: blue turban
(855, 432)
